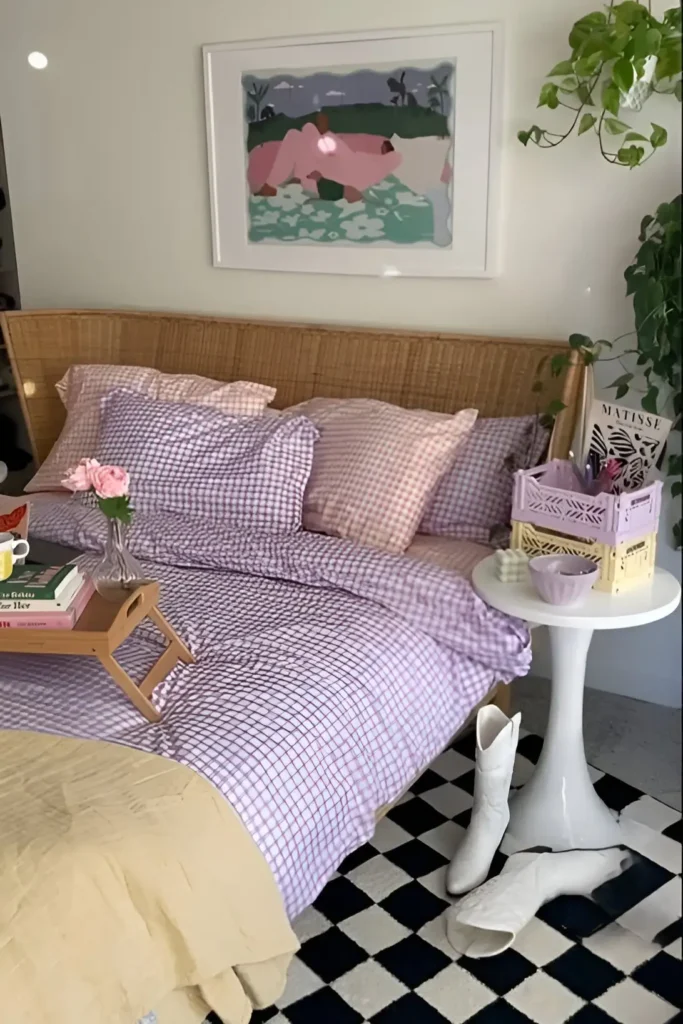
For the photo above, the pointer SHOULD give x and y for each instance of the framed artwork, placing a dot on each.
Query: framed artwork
(371, 153)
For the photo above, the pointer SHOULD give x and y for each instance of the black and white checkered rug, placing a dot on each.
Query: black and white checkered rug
(374, 949)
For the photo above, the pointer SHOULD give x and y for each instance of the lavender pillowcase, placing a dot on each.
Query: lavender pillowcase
(474, 496)
(244, 472)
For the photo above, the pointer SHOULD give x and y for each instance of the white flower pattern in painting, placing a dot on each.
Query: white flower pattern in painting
(388, 213)
(363, 226)
(411, 199)
(267, 217)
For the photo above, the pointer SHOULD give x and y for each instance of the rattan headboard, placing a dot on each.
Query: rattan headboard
(443, 372)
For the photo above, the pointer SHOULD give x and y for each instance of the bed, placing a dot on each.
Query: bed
(344, 670)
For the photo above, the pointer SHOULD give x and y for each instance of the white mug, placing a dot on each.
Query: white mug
(11, 550)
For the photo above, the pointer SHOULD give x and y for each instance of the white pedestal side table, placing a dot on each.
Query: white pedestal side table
(558, 807)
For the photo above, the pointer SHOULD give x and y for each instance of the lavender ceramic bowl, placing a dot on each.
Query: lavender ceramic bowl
(563, 579)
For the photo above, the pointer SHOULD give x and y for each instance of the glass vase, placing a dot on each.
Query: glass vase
(118, 572)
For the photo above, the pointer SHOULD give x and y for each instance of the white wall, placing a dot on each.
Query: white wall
(107, 170)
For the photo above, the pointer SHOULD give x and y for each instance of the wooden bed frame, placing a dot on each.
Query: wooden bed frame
(417, 369)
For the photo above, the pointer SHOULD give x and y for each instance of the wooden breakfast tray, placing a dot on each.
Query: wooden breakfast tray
(101, 629)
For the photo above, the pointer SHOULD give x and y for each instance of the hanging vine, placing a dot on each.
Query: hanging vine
(619, 58)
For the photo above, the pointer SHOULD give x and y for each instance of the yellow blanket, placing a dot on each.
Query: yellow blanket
(128, 884)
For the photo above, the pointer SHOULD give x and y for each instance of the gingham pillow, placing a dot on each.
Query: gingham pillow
(82, 387)
(244, 472)
(475, 495)
(376, 466)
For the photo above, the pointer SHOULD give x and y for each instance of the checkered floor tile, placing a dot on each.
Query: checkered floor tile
(374, 948)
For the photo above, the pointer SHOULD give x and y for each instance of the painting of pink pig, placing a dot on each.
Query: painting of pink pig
(350, 157)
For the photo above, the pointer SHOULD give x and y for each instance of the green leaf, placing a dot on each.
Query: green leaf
(524, 137)
(659, 136)
(569, 84)
(610, 98)
(577, 341)
(630, 11)
(630, 155)
(565, 67)
(586, 66)
(621, 391)
(653, 41)
(649, 402)
(615, 127)
(623, 74)
(586, 123)
(635, 137)
(559, 363)
(116, 508)
(536, 133)
(585, 95)
(678, 91)
(625, 379)
(555, 407)
(548, 96)
(675, 465)
(669, 61)
(676, 488)
(583, 28)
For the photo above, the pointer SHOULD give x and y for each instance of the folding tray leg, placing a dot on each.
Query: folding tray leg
(164, 626)
(175, 652)
(133, 692)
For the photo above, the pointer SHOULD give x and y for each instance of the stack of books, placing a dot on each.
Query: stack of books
(43, 597)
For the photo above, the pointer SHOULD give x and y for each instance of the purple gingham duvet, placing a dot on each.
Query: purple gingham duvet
(327, 676)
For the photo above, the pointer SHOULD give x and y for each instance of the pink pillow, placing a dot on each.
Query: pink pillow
(376, 466)
(82, 388)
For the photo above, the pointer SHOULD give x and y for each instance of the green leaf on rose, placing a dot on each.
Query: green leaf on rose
(116, 508)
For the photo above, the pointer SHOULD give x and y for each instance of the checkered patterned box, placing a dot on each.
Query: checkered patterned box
(551, 496)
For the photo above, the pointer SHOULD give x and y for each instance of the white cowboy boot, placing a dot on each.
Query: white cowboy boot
(497, 737)
(488, 920)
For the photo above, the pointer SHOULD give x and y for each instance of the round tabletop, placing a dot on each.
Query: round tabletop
(653, 600)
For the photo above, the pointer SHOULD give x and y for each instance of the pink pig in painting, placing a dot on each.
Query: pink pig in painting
(351, 158)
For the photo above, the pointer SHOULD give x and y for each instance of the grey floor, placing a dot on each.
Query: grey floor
(637, 742)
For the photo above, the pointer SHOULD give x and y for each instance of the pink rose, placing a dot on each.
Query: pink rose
(110, 481)
(79, 477)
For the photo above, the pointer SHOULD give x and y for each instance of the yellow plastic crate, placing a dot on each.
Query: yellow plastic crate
(622, 566)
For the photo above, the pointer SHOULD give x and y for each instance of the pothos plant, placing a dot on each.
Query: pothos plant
(619, 57)
(654, 281)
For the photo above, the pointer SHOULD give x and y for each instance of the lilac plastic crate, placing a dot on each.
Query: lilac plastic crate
(551, 496)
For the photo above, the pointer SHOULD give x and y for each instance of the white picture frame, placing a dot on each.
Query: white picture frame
(473, 111)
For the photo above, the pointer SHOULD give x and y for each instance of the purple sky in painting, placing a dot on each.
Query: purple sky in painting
(298, 95)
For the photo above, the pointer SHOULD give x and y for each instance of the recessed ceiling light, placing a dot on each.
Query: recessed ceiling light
(37, 60)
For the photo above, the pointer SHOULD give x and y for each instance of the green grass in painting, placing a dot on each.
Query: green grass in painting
(388, 212)
(367, 118)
